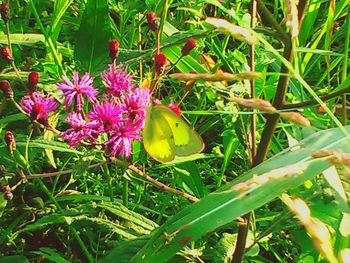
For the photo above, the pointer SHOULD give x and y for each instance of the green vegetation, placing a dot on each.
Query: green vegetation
(263, 83)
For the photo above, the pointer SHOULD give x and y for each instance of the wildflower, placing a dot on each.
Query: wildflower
(113, 48)
(190, 44)
(118, 82)
(80, 129)
(136, 104)
(6, 88)
(5, 11)
(160, 60)
(76, 90)
(38, 107)
(152, 21)
(6, 53)
(120, 142)
(33, 79)
(106, 114)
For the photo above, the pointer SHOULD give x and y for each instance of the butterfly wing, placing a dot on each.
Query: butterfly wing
(158, 139)
(187, 141)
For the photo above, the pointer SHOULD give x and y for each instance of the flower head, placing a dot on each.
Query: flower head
(136, 104)
(37, 106)
(120, 142)
(80, 129)
(118, 82)
(76, 90)
(107, 115)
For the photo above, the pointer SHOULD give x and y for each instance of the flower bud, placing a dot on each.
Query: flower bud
(33, 79)
(6, 88)
(113, 48)
(5, 12)
(160, 60)
(5, 53)
(10, 141)
(152, 21)
(37, 108)
(190, 44)
(175, 108)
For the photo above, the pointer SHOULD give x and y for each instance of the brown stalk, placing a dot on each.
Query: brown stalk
(272, 120)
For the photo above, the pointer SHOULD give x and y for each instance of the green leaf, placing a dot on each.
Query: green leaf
(3, 203)
(91, 48)
(51, 254)
(254, 189)
(11, 259)
(23, 39)
(125, 251)
(51, 145)
(190, 176)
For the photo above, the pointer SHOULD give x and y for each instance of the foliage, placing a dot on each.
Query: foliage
(272, 183)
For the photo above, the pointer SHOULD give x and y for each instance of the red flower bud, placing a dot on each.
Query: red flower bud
(10, 141)
(160, 60)
(6, 88)
(37, 108)
(5, 53)
(5, 11)
(33, 79)
(190, 44)
(152, 21)
(175, 108)
(113, 48)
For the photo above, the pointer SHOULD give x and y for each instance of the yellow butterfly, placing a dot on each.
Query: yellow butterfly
(167, 135)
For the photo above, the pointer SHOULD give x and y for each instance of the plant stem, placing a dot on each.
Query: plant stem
(48, 38)
(13, 64)
(244, 226)
(314, 102)
(109, 180)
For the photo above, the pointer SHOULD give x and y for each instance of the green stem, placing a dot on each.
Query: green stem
(74, 231)
(345, 63)
(125, 192)
(47, 38)
(109, 181)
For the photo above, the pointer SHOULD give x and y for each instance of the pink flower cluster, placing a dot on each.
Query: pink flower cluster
(119, 116)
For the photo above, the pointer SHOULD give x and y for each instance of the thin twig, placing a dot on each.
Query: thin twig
(44, 175)
(314, 102)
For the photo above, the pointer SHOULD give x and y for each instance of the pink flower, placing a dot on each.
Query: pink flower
(120, 142)
(118, 82)
(107, 115)
(136, 104)
(38, 107)
(80, 129)
(77, 89)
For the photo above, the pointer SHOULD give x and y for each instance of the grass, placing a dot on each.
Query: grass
(241, 199)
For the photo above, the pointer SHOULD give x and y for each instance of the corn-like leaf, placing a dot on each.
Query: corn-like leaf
(252, 190)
